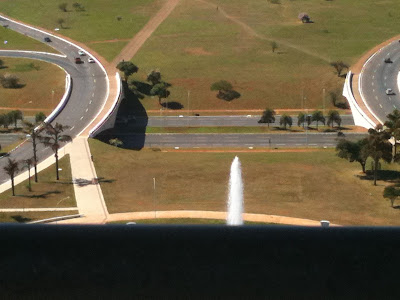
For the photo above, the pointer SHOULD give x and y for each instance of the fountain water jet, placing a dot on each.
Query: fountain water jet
(235, 198)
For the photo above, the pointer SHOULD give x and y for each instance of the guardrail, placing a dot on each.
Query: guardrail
(111, 110)
(64, 100)
(360, 118)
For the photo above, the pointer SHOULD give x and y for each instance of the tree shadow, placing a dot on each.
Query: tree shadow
(21, 219)
(228, 95)
(172, 105)
(131, 122)
(41, 196)
(384, 175)
(81, 182)
(142, 87)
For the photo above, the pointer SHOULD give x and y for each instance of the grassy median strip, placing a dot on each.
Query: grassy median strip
(312, 185)
(48, 192)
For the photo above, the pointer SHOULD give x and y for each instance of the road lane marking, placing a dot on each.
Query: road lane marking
(372, 84)
(71, 128)
(313, 144)
(380, 105)
(394, 106)
(81, 118)
(376, 97)
(87, 109)
(385, 77)
(90, 102)
(373, 76)
(94, 80)
(373, 90)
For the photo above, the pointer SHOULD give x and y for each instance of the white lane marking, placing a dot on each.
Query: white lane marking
(384, 84)
(280, 144)
(93, 75)
(388, 54)
(374, 71)
(94, 80)
(87, 109)
(376, 97)
(373, 76)
(81, 118)
(385, 77)
(90, 102)
(92, 94)
(394, 106)
(380, 105)
(313, 144)
(373, 90)
(372, 83)
(71, 128)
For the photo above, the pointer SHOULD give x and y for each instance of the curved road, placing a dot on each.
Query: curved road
(377, 76)
(90, 89)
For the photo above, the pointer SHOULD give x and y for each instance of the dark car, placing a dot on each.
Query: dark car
(388, 60)
(78, 60)
(47, 39)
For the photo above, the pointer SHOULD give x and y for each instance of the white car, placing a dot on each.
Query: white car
(90, 60)
(389, 92)
(81, 53)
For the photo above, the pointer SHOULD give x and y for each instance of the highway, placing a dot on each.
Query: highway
(217, 121)
(378, 76)
(235, 140)
(89, 90)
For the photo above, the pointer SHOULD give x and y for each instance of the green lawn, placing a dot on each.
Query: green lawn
(24, 217)
(97, 23)
(313, 185)
(17, 41)
(46, 193)
(198, 45)
(39, 91)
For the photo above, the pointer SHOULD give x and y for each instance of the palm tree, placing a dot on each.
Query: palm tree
(379, 147)
(317, 116)
(28, 165)
(393, 127)
(11, 169)
(301, 119)
(286, 120)
(333, 117)
(35, 136)
(268, 116)
(54, 139)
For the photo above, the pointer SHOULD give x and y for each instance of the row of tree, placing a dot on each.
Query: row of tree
(317, 116)
(13, 116)
(50, 136)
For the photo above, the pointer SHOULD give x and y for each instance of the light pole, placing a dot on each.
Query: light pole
(188, 108)
(154, 197)
(323, 100)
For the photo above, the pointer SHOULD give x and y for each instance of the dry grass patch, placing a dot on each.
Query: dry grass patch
(24, 217)
(313, 185)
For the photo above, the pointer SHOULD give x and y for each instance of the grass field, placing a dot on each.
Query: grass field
(198, 45)
(98, 22)
(24, 217)
(313, 185)
(40, 91)
(46, 193)
(17, 41)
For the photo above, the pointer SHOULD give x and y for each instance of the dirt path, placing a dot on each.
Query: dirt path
(253, 33)
(140, 38)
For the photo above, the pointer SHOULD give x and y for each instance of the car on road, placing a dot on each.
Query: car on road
(90, 60)
(81, 53)
(47, 39)
(389, 92)
(78, 60)
(387, 60)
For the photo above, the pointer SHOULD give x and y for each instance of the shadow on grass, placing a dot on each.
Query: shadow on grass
(385, 175)
(142, 87)
(21, 219)
(172, 105)
(41, 196)
(85, 182)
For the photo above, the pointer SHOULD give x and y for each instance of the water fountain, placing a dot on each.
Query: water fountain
(235, 198)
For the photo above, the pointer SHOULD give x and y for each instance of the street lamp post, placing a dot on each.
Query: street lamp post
(154, 197)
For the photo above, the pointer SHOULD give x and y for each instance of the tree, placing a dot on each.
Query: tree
(128, 68)
(14, 116)
(391, 193)
(339, 67)
(286, 120)
(268, 116)
(5, 120)
(61, 21)
(161, 91)
(27, 163)
(334, 117)
(34, 138)
(116, 142)
(274, 46)
(63, 6)
(318, 116)
(11, 170)
(353, 151)
(304, 17)
(378, 147)
(301, 119)
(393, 127)
(40, 117)
(225, 90)
(309, 120)
(78, 6)
(1, 64)
(9, 81)
(154, 77)
(54, 139)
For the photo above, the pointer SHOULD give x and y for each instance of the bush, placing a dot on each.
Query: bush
(9, 81)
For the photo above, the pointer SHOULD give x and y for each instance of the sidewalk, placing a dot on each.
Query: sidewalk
(88, 195)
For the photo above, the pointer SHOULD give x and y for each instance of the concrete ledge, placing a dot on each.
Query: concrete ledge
(64, 100)
(360, 118)
(55, 219)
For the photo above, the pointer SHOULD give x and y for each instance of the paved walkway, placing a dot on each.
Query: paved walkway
(89, 197)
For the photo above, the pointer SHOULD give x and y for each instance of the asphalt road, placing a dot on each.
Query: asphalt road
(89, 89)
(379, 76)
(235, 140)
(217, 121)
